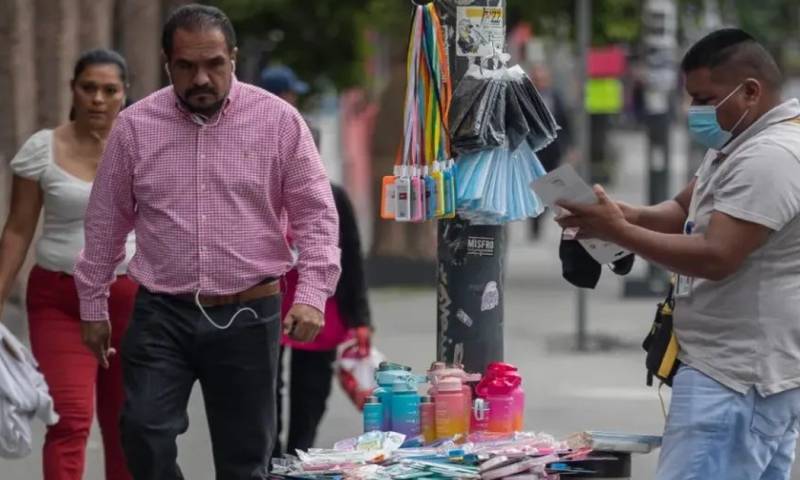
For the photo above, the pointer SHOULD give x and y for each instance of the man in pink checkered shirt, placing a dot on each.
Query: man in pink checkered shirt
(209, 173)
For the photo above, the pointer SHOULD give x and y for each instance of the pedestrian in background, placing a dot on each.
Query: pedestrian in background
(561, 149)
(209, 172)
(54, 170)
(347, 313)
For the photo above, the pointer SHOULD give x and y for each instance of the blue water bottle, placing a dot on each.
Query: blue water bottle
(373, 415)
(405, 406)
(385, 377)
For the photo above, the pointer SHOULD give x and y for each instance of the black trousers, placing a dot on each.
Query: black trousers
(310, 375)
(169, 345)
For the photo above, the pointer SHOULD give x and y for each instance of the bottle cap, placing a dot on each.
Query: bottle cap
(449, 384)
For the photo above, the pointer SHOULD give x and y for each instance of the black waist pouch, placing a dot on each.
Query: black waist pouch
(661, 344)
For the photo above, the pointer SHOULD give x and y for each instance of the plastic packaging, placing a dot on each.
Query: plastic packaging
(356, 372)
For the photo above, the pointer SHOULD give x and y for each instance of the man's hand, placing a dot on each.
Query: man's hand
(630, 212)
(603, 220)
(97, 337)
(303, 323)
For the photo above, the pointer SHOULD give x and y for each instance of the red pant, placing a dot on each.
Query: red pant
(73, 374)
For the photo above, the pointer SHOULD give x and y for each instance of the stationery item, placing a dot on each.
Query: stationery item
(564, 184)
(614, 441)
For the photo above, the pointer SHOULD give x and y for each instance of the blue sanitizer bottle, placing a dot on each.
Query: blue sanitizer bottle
(373, 415)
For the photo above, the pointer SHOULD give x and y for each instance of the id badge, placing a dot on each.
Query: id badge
(683, 287)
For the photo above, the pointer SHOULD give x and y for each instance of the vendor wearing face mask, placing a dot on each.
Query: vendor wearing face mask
(733, 238)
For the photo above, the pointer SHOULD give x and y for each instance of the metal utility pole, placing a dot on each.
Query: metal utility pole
(470, 266)
(660, 22)
(583, 139)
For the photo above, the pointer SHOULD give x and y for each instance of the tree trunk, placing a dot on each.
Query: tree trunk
(18, 104)
(57, 35)
(97, 24)
(17, 78)
(139, 22)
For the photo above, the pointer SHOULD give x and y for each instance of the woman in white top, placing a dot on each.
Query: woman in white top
(54, 169)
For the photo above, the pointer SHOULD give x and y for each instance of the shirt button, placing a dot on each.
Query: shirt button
(203, 217)
(202, 156)
(203, 187)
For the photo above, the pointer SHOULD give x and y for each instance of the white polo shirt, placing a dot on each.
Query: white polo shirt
(744, 331)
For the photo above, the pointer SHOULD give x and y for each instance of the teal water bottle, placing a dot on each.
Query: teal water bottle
(373, 415)
(406, 406)
(385, 377)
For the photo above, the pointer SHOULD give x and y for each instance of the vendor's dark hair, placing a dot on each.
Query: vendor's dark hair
(99, 56)
(735, 48)
(194, 17)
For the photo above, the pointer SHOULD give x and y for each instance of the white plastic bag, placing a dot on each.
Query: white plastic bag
(357, 373)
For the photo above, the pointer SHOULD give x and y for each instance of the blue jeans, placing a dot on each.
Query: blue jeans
(713, 432)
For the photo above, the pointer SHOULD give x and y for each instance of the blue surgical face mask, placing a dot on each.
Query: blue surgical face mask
(704, 126)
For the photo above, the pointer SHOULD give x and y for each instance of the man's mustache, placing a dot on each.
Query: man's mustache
(200, 90)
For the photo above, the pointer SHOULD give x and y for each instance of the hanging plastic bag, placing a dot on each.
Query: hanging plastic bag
(356, 373)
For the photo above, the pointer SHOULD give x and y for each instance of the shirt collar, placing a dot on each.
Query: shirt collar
(783, 112)
(233, 94)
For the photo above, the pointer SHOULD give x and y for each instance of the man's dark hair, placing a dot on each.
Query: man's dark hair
(735, 49)
(194, 17)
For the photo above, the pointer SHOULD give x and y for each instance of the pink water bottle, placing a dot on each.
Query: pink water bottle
(440, 370)
(500, 369)
(448, 399)
(498, 393)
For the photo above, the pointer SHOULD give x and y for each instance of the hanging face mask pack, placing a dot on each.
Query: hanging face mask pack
(499, 121)
(422, 185)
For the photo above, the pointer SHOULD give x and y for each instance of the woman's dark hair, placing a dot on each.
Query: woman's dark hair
(99, 56)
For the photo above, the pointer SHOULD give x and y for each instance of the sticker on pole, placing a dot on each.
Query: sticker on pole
(480, 246)
(490, 298)
(480, 31)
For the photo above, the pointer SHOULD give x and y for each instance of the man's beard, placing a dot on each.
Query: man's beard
(208, 111)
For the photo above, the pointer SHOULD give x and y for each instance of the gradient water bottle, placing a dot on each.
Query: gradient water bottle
(385, 377)
(373, 415)
(449, 407)
(405, 417)
(498, 393)
(427, 419)
(506, 370)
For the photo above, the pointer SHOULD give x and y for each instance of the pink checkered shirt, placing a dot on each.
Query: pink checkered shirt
(209, 202)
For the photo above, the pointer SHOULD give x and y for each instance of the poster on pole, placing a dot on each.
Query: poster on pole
(480, 31)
